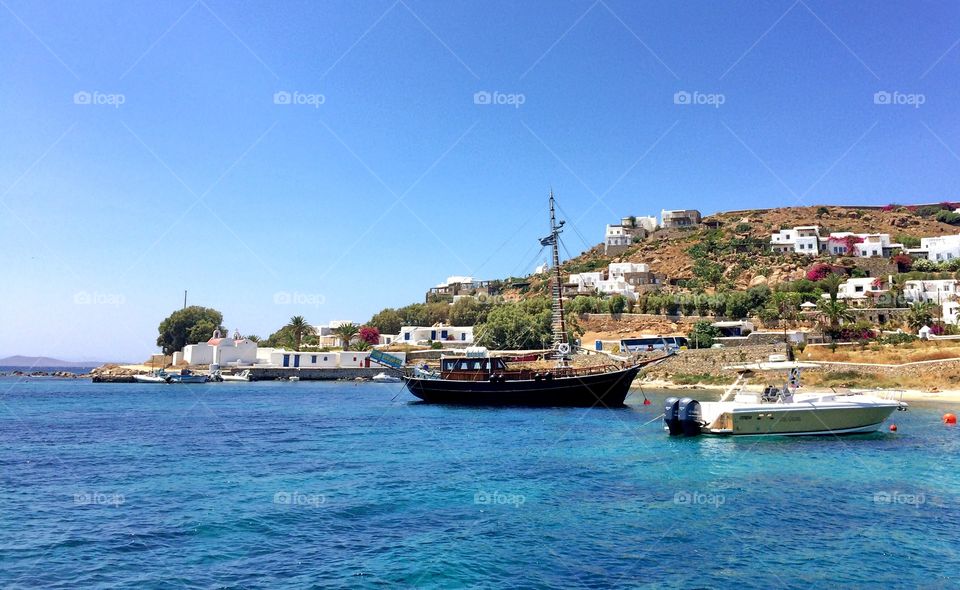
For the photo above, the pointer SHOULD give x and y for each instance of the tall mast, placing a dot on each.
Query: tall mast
(559, 325)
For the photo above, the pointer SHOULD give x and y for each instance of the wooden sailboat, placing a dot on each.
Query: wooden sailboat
(482, 379)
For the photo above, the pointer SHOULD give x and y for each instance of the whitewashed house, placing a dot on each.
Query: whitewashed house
(339, 359)
(620, 270)
(679, 218)
(869, 246)
(938, 248)
(937, 291)
(585, 282)
(859, 290)
(326, 338)
(804, 239)
(221, 351)
(950, 312)
(421, 335)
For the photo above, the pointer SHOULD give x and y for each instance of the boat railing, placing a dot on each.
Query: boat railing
(893, 395)
(529, 374)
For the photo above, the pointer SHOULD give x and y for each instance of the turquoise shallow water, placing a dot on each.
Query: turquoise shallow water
(336, 484)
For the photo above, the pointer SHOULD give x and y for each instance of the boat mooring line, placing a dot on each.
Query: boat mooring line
(652, 421)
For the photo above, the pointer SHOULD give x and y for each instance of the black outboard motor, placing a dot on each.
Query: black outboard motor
(671, 416)
(688, 415)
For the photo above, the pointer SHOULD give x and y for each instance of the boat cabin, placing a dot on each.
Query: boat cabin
(481, 365)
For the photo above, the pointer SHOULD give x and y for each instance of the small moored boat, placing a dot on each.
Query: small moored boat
(159, 376)
(186, 376)
(780, 411)
(385, 378)
(241, 376)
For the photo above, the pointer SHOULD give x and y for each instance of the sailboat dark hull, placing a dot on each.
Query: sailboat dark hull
(586, 391)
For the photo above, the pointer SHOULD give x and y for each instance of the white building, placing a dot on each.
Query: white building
(615, 236)
(869, 246)
(938, 291)
(859, 289)
(221, 351)
(327, 338)
(586, 282)
(421, 335)
(617, 287)
(804, 239)
(339, 359)
(679, 218)
(618, 270)
(950, 312)
(938, 248)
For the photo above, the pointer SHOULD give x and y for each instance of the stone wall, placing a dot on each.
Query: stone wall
(267, 374)
(712, 360)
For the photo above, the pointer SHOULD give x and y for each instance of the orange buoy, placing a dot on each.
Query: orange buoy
(646, 402)
(949, 418)
(893, 428)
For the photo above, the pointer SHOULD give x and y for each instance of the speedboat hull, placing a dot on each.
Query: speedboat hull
(187, 379)
(602, 389)
(149, 379)
(796, 419)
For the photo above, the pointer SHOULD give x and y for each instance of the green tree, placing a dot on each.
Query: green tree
(702, 335)
(468, 312)
(188, 326)
(253, 338)
(511, 327)
(299, 328)
(618, 303)
(833, 313)
(920, 314)
(436, 313)
(346, 332)
(388, 321)
(738, 305)
(582, 304)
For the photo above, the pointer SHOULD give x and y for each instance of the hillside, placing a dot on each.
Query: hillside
(747, 233)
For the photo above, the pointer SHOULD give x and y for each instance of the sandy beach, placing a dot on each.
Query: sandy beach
(951, 396)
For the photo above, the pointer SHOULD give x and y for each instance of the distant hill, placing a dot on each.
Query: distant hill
(43, 361)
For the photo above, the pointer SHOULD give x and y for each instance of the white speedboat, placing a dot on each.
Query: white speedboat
(241, 376)
(186, 376)
(154, 377)
(781, 411)
(385, 378)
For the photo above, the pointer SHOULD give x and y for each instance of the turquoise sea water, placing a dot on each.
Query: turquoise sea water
(244, 485)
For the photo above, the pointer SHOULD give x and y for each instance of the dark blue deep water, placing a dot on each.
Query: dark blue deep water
(245, 485)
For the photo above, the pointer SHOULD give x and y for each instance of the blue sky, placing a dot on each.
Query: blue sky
(387, 177)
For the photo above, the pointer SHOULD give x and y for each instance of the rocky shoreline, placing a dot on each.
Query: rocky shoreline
(58, 374)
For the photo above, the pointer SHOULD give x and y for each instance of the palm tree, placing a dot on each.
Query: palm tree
(360, 345)
(346, 332)
(834, 312)
(920, 314)
(299, 328)
(254, 338)
(831, 284)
